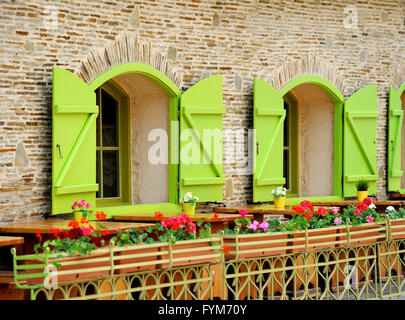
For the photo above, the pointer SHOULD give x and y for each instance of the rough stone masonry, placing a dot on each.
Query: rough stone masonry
(275, 40)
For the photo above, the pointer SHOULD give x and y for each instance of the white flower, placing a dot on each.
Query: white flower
(196, 198)
(390, 208)
(372, 206)
(273, 191)
(284, 193)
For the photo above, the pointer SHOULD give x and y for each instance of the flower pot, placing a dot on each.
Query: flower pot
(77, 267)
(190, 252)
(78, 216)
(188, 209)
(124, 263)
(256, 245)
(361, 195)
(279, 203)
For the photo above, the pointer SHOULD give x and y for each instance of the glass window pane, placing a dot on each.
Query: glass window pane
(110, 174)
(286, 169)
(98, 166)
(109, 120)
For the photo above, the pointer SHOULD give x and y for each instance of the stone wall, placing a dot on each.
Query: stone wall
(276, 40)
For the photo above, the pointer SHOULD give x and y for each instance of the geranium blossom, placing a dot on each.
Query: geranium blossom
(337, 220)
(225, 249)
(242, 212)
(159, 215)
(370, 219)
(335, 210)
(38, 234)
(86, 231)
(357, 212)
(253, 225)
(264, 225)
(367, 201)
(321, 211)
(390, 208)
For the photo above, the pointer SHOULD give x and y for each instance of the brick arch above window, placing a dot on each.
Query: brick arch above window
(291, 69)
(126, 48)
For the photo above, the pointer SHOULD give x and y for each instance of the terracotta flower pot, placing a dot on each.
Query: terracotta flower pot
(122, 258)
(269, 244)
(82, 266)
(195, 250)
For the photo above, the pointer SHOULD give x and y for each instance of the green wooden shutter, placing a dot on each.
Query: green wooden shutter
(268, 122)
(395, 117)
(201, 109)
(74, 114)
(359, 144)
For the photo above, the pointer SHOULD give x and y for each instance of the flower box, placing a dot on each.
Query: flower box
(73, 268)
(190, 252)
(254, 245)
(363, 234)
(136, 258)
(317, 239)
(397, 229)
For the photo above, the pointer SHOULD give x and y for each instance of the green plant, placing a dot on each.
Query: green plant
(279, 192)
(362, 212)
(394, 214)
(82, 207)
(189, 198)
(362, 185)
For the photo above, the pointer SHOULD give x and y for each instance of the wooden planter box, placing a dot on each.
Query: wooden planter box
(136, 258)
(254, 245)
(363, 234)
(397, 229)
(190, 252)
(73, 268)
(317, 239)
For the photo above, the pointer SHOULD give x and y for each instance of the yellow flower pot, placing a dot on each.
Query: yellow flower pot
(188, 209)
(279, 203)
(361, 195)
(78, 216)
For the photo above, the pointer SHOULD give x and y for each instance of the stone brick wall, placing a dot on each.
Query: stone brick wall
(276, 40)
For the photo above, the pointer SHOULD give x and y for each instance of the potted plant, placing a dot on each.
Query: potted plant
(189, 202)
(396, 220)
(249, 239)
(279, 196)
(362, 189)
(363, 222)
(77, 253)
(80, 210)
(179, 244)
(308, 228)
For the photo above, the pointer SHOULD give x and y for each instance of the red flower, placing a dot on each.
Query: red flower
(367, 201)
(321, 211)
(38, 235)
(100, 215)
(357, 212)
(226, 249)
(104, 232)
(308, 216)
(306, 204)
(55, 231)
(362, 206)
(299, 209)
(84, 221)
(216, 216)
(159, 215)
(73, 224)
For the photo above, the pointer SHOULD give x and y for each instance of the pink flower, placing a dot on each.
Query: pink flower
(224, 219)
(253, 225)
(86, 231)
(370, 219)
(243, 213)
(264, 225)
(73, 207)
(338, 220)
(88, 205)
(335, 210)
